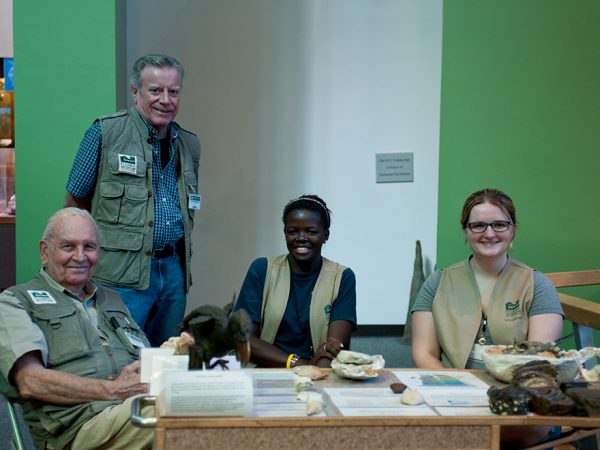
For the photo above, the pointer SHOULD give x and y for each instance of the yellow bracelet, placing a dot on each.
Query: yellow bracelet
(289, 360)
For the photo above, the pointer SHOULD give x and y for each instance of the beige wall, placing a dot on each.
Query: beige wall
(297, 97)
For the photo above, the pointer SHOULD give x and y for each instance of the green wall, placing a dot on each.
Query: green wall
(521, 112)
(65, 77)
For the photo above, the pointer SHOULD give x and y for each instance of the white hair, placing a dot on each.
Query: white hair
(50, 229)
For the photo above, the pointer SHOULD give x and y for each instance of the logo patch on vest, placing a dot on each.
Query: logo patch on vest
(327, 310)
(512, 310)
(41, 297)
(127, 163)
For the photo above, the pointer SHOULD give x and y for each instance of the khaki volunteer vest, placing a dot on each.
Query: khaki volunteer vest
(457, 309)
(277, 291)
(123, 203)
(74, 346)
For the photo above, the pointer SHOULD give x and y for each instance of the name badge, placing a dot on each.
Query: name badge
(134, 340)
(41, 297)
(127, 163)
(194, 201)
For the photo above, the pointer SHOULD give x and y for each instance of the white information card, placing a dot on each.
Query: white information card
(205, 393)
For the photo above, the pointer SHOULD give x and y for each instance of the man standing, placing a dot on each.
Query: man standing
(136, 171)
(69, 349)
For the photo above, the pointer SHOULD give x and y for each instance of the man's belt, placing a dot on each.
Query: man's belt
(166, 252)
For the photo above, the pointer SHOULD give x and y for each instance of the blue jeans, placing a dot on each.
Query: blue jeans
(159, 308)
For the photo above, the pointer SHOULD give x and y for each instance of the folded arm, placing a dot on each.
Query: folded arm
(269, 355)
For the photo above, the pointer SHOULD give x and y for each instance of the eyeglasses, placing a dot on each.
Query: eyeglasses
(498, 226)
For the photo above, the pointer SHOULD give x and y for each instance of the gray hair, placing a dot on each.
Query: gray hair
(55, 218)
(156, 60)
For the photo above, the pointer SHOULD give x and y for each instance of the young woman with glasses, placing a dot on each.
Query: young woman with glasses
(489, 298)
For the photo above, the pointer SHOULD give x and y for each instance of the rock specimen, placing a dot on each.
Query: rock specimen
(550, 402)
(412, 398)
(509, 401)
(587, 401)
(535, 374)
(397, 388)
(535, 388)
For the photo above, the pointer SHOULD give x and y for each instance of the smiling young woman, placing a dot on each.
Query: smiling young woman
(489, 298)
(302, 305)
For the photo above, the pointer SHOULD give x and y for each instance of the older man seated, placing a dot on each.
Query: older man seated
(69, 349)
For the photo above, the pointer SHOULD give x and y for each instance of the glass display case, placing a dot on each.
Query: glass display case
(7, 178)
(7, 182)
(7, 150)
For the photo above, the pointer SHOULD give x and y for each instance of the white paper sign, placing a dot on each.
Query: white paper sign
(206, 393)
(446, 388)
(162, 364)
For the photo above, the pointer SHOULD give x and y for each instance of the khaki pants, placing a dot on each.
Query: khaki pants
(111, 429)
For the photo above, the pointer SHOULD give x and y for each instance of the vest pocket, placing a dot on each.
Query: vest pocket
(122, 203)
(127, 331)
(120, 257)
(63, 331)
(133, 206)
(110, 201)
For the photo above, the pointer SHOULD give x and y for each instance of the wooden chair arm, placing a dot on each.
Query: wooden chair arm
(581, 311)
(578, 278)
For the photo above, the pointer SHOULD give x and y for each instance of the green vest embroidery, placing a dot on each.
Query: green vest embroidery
(123, 204)
(277, 291)
(457, 309)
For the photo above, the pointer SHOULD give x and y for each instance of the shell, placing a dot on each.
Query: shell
(312, 372)
(303, 383)
(412, 398)
(314, 408)
(349, 357)
(501, 365)
(360, 369)
(314, 402)
(591, 375)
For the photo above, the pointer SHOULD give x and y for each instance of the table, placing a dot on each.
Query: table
(335, 431)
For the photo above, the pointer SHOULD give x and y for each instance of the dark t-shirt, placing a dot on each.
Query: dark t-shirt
(294, 335)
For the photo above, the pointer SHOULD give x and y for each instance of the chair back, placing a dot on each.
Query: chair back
(14, 431)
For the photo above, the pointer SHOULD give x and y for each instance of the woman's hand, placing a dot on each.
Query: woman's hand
(328, 350)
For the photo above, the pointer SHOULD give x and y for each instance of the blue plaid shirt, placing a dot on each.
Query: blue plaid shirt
(168, 219)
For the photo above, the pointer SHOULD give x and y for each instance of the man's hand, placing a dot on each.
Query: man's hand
(128, 382)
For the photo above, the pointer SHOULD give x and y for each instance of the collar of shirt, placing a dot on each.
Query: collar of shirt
(89, 289)
(173, 133)
(87, 304)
